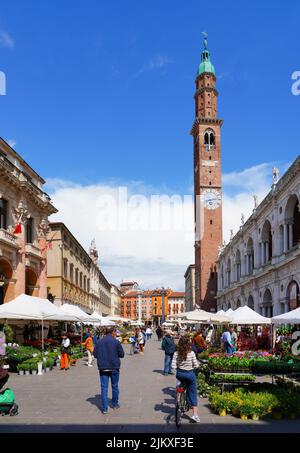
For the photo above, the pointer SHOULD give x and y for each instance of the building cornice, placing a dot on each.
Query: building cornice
(205, 120)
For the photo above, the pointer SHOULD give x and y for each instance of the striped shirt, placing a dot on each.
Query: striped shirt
(189, 364)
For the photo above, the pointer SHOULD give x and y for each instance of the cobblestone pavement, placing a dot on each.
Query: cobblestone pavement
(62, 401)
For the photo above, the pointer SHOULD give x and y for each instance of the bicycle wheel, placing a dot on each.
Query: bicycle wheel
(178, 415)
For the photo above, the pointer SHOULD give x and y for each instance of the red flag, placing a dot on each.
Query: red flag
(18, 228)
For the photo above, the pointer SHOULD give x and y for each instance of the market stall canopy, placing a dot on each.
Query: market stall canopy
(291, 317)
(220, 317)
(229, 311)
(198, 315)
(245, 315)
(34, 308)
(118, 318)
(168, 324)
(103, 321)
(221, 312)
(76, 312)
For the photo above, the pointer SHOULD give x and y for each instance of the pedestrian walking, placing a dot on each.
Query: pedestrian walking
(169, 347)
(89, 346)
(159, 333)
(139, 341)
(64, 352)
(227, 340)
(149, 333)
(108, 352)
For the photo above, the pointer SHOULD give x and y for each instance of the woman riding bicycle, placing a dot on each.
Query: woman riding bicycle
(185, 362)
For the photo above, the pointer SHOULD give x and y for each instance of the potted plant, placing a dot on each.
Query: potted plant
(20, 369)
(26, 368)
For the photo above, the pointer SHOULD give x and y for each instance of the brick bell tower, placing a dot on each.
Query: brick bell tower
(206, 131)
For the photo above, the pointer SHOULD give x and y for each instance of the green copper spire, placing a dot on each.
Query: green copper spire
(205, 65)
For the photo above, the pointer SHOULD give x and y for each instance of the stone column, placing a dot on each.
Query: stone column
(43, 246)
(20, 286)
(285, 237)
(262, 261)
(290, 235)
(267, 252)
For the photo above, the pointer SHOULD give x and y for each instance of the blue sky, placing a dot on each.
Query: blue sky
(102, 91)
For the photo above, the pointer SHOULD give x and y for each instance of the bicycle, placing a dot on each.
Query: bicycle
(182, 405)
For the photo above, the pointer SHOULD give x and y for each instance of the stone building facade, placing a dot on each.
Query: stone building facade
(115, 300)
(260, 267)
(176, 304)
(24, 211)
(190, 295)
(73, 274)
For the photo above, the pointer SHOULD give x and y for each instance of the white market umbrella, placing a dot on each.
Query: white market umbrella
(198, 315)
(291, 317)
(220, 318)
(229, 311)
(75, 311)
(245, 315)
(118, 318)
(221, 312)
(102, 320)
(34, 308)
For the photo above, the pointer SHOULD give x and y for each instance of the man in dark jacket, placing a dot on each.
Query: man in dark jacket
(108, 352)
(169, 347)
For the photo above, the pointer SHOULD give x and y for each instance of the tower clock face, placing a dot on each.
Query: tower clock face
(211, 198)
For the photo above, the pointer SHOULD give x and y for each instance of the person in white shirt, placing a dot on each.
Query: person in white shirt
(185, 363)
(227, 340)
(64, 352)
(149, 333)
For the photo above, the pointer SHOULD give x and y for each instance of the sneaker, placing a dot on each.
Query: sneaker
(104, 412)
(90, 365)
(195, 419)
(166, 374)
(117, 406)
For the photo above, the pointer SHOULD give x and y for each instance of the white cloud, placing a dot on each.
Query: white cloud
(153, 246)
(6, 40)
(158, 61)
(130, 246)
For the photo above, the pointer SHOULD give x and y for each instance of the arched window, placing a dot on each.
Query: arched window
(266, 243)
(293, 295)
(238, 265)
(267, 304)
(250, 302)
(292, 223)
(209, 139)
(29, 231)
(250, 256)
(228, 271)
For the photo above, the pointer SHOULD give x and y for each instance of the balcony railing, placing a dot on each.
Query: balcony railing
(8, 238)
(33, 250)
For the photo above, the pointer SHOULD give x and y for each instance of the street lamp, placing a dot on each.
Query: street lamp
(163, 294)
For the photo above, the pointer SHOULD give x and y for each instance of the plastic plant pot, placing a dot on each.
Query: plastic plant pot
(34, 372)
(21, 372)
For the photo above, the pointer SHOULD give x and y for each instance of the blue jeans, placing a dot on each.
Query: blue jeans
(189, 379)
(168, 363)
(228, 348)
(104, 380)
